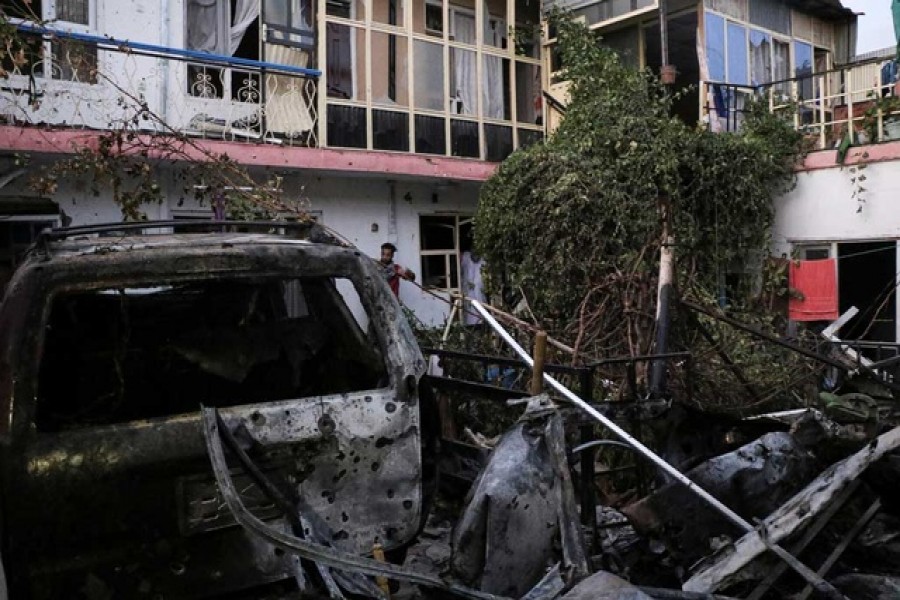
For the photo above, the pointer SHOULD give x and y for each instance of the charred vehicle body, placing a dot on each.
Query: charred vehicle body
(111, 340)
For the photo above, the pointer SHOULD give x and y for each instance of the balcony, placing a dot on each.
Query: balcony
(87, 82)
(862, 97)
(364, 98)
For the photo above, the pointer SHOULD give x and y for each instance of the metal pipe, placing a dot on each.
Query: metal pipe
(609, 424)
(800, 568)
(117, 45)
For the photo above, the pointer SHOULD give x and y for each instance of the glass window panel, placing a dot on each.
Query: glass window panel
(346, 126)
(737, 55)
(438, 233)
(803, 67)
(498, 142)
(529, 137)
(529, 97)
(345, 9)
(495, 23)
(462, 27)
(626, 43)
(431, 137)
(74, 61)
(292, 21)
(73, 11)
(429, 65)
(464, 138)
(760, 57)
(463, 82)
(781, 66)
(388, 12)
(431, 21)
(390, 130)
(715, 46)
(495, 88)
(390, 82)
(345, 62)
(527, 36)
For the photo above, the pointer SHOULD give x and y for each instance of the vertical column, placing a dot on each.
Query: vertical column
(322, 65)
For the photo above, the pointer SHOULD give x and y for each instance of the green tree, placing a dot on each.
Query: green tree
(575, 222)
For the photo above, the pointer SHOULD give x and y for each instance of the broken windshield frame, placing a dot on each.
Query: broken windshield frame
(149, 349)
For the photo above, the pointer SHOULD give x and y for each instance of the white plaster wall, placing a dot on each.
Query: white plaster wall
(352, 206)
(822, 207)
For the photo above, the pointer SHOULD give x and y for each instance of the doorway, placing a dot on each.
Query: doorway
(867, 279)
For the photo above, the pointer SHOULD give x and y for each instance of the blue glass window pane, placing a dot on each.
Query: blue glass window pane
(715, 46)
(760, 57)
(737, 55)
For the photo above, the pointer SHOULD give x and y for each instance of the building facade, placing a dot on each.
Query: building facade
(382, 116)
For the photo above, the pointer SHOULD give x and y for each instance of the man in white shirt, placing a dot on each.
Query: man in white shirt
(472, 287)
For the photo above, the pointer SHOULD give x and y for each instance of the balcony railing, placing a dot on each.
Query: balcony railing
(862, 98)
(89, 82)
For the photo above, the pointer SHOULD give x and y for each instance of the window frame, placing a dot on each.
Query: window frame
(47, 61)
(773, 36)
(451, 256)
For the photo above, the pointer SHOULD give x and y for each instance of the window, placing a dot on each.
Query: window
(434, 19)
(16, 236)
(443, 240)
(158, 349)
(22, 9)
(73, 11)
(62, 59)
(815, 252)
(803, 67)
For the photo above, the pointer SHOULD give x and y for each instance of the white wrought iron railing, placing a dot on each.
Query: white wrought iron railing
(82, 81)
(860, 101)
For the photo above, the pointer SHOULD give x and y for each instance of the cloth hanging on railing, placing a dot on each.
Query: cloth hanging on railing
(816, 282)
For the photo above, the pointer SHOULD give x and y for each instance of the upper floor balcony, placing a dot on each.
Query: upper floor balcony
(455, 78)
(862, 97)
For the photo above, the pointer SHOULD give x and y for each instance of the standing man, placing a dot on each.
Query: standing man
(391, 270)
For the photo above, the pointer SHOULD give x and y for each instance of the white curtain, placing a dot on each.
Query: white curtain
(760, 58)
(492, 73)
(464, 80)
(203, 25)
(245, 12)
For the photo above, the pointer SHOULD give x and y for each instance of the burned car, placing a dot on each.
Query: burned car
(112, 338)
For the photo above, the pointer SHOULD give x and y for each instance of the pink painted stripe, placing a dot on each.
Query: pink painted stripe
(827, 159)
(67, 141)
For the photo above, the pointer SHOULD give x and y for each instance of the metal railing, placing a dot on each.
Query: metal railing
(881, 360)
(586, 377)
(83, 81)
(862, 97)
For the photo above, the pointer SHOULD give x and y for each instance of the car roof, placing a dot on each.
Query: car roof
(175, 236)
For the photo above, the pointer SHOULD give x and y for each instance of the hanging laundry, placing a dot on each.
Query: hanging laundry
(813, 290)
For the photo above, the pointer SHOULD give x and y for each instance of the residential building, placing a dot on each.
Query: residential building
(799, 56)
(384, 116)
